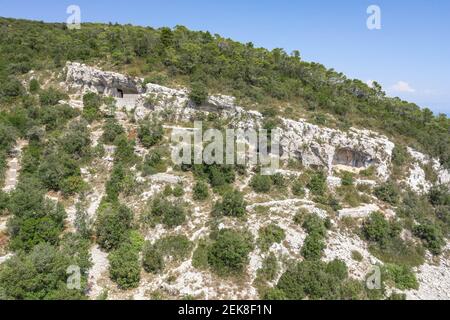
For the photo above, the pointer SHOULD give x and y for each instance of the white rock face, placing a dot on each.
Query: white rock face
(417, 178)
(324, 147)
(88, 79)
(341, 246)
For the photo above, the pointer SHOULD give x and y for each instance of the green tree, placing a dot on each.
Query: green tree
(124, 267)
(113, 225)
(228, 255)
(199, 93)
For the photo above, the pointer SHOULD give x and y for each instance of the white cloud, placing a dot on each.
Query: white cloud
(403, 86)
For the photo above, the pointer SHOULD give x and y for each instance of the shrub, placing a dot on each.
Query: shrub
(347, 179)
(124, 267)
(388, 192)
(35, 219)
(54, 117)
(92, 103)
(153, 164)
(51, 97)
(338, 269)
(439, 196)
(357, 256)
(199, 93)
(377, 229)
(76, 141)
(34, 86)
(270, 235)
(232, 205)
(111, 130)
(298, 189)
(318, 184)
(399, 155)
(7, 137)
(169, 213)
(313, 280)
(269, 268)
(11, 88)
(125, 150)
(387, 244)
(4, 202)
(229, 253)
(152, 259)
(313, 224)
(150, 132)
(431, 236)
(261, 184)
(113, 225)
(178, 247)
(41, 274)
(275, 294)
(402, 276)
(55, 169)
(313, 247)
(200, 256)
(278, 180)
(178, 191)
(201, 191)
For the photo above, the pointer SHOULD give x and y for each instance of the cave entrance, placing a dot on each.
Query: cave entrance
(119, 93)
(352, 158)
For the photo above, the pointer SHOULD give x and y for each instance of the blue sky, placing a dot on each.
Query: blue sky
(409, 56)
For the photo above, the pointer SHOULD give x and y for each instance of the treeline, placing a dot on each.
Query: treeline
(211, 62)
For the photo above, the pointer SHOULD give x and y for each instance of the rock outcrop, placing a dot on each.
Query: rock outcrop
(88, 79)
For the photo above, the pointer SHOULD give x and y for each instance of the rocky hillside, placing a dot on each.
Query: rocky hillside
(93, 207)
(343, 204)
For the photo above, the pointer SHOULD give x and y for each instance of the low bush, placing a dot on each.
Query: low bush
(124, 267)
(388, 192)
(313, 224)
(232, 205)
(178, 247)
(201, 191)
(270, 235)
(171, 214)
(261, 184)
(113, 225)
(298, 189)
(402, 277)
(315, 280)
(111, 130)
(92, 103)
(152, 259)
(150, 132)
(313, 247)
(199, 93)
(432, 237)
(228, 254)
(318, 184)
